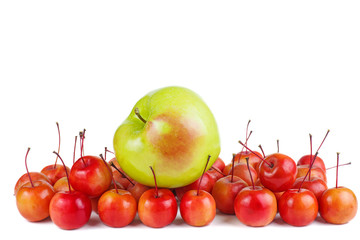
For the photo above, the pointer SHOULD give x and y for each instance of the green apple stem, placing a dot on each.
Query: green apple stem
(156, 188)
(112, 176)
(337, 169)
(58, 128)
(67, 175)
(198, 188)
(122, 174)
(74, 149)
(232, 168)
(308, 172)
(27, 170)
(136, 110)
(252, 180)
(278, 145)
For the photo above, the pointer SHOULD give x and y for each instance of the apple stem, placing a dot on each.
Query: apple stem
(218, 170)
(337, 169)
(136, 110)
(82, 137)
(122, 174)
(74, 149)
(67, 175)
(243, 146)
(340, 165)
(308, 172)
(248, 166)
(269, 164)
(198, 187)
(58, 128)
(112, 176)
(156, 188)
(27, 170)
(247, 128)
(110, 151)
(310, 154)
(262, 150)
(232, 168)
(323, 139)
(278, 145)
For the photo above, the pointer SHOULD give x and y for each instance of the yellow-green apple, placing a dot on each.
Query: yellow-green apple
(172, 130)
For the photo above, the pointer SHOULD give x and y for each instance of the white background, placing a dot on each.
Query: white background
(291, 67)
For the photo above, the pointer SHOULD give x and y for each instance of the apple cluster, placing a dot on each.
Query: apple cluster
(254, 187)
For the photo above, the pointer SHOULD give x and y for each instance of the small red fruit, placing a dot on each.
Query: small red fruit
(157, 207)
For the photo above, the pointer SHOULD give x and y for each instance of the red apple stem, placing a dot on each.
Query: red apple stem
(311, 157)
(122, 174)
(156, 187)
(262, 150)
(337, 169)
(67, 175)
(137, 112)
(74, 149)
(27, 170)
(232, 167)
(218, 170)
(269, 164)
(82, 137)
(308, 172)
(105, 153)
(58, 128)
(340, 165)
(112, 176)
(247, 128)
(248, 166)
(243, 146)
(198, 187)
(323, 140)
(107, 150)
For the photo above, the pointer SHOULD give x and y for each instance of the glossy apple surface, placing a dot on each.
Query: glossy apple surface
(177, 134)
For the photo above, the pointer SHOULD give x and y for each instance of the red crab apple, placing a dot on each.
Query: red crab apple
(171, 128)
(116, 207)
(225, 190)
(25, 178)
(198, 207)
(89, 174)
(338, 205)
(277, 171)
(33, 198)
(70, 209)
(157, 207)
(219, 164)
(255, 206)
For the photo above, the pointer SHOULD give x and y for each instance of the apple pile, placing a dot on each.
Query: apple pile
(169, 162)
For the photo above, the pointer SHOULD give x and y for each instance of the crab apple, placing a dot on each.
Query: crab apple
(315, 172)
(157, 207)
(315, 185)
(62, 185)
(338, 205)
(33, 198)
(219, 164)
(137, 189)
(306, 161)
(298, 207)
(255, 206)
(206, 184)
(254, 160)
(90, 175)
(277, 171)
(171, 128)
(25, 178)
(70, 209)
(198, 207)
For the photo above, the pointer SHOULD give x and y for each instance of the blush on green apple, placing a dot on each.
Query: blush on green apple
(172, 130)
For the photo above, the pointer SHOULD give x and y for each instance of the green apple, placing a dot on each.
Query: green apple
(172, 130)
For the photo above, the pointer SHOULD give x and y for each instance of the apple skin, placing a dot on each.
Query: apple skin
(179, 133)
